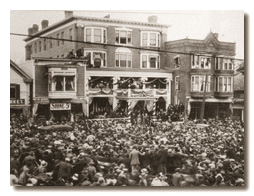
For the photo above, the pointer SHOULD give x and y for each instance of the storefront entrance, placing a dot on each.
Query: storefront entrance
(100, 107)
(61, 115)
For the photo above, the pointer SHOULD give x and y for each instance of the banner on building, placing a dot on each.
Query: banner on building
(60, 106)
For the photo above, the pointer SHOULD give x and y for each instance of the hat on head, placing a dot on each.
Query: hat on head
(75, 176)
(44, 163)
(67, 159)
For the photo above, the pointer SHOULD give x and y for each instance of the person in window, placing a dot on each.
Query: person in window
(69, 86)
(59, 83)
(202, 61)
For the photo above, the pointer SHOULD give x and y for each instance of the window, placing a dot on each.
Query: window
(224, 63)
(177, 62)
(62, 80)
(39, 46)
(62, 38)
(177, 82)
(45, 44)
(123, 57)
(150, 39)
(35, 47)
(95, 34)
(50, 43)
(96, 58)
(224, 84)
(58, 39)
(201, 62)
(198, 83)
(70, 34)
(150, 61)
(123, 36)
(14, 91)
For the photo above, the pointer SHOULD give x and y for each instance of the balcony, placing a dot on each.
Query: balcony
(223, 94)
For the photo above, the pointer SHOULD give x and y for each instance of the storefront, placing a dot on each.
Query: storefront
(213, 109)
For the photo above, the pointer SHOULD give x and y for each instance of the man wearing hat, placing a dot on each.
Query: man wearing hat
(65, 168)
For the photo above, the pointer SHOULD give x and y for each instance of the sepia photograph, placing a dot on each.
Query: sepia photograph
(148, 98)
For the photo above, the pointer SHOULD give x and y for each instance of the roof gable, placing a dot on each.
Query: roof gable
(18, 70)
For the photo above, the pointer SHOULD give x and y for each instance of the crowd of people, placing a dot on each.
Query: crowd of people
(117, 153)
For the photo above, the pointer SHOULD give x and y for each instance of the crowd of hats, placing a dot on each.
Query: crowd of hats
(96, 153)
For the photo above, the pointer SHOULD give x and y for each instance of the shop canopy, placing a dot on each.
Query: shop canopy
(55, 128)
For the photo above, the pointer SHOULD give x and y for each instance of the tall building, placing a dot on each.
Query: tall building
(200, 63)
(98, 66)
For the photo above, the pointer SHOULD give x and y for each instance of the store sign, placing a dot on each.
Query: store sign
(17, 101)
(60, 106)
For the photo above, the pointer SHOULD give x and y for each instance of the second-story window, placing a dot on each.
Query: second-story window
(35, 47)
(70, 34)
(224, 63)
(58, 39)
(39, 46)
(62, 38)
(45, 44)
(50, 42)
(123, 57)
(123, 36)
(198, 83)
(150, 61)
(96, 58)
(224, 84)
(150, 39)
(177, 62)
(61, 80)
(201, 62)
(95, 34)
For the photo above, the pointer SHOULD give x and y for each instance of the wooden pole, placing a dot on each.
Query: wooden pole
(203, 102)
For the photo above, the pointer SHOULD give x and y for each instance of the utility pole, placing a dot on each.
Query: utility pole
(203, 102)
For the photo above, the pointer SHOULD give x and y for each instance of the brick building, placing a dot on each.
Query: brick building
(20, 91)
(124, 67)
(209, 57)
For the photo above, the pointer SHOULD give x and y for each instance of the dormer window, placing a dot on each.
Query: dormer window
(95, 34)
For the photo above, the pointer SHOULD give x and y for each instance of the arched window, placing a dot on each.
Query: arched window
(123, 57)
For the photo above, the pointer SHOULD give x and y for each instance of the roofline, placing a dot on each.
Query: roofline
(73, 18)
(200, 40)
(20, 71)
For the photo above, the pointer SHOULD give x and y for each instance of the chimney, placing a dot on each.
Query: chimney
(68, 14)
(44, 24)
(216, 35)
(35, 28)
(152, 19)
(30, 31)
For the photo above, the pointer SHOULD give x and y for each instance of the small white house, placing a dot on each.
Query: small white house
(20, 90)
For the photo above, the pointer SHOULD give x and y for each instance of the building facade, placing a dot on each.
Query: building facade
(238, 101)
(202, 69)
(97, 66)
(20, 91)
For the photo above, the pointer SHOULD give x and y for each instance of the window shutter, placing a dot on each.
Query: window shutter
(17, 91)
